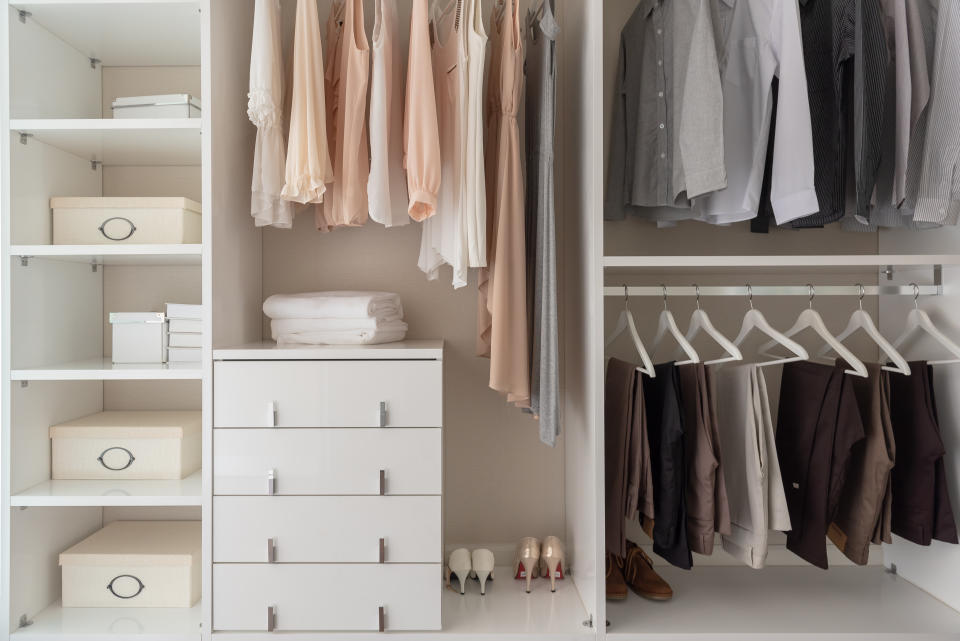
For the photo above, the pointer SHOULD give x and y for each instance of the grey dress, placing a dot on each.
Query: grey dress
(541, 71)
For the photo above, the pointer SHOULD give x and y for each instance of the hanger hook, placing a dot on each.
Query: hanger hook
(697, 290)
(862, 292)
(811, 291)
(750, 295)
(916, 295)
(626, 297)
(664, 288)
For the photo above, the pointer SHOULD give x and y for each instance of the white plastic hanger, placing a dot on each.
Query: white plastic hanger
(626, 322)
(753, 319)
(668, 325)
(699, 321)
(811, 319)
(862, 320)
(919, 319)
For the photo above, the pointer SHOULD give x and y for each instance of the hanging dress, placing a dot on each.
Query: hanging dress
(347, 75)
(265, 110)
(441, 241)
(386, 118)
(474, 190)
(502, 309)
(541, 34)
(308, 156)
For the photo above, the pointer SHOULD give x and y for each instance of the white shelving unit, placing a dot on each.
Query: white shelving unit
(63, 62)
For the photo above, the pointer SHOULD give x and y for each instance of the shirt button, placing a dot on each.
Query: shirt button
(663, 155)
(662, 125)
(660, 94)
(659, 63)
(659, 31)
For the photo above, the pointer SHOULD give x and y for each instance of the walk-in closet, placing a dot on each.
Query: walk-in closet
(335, 481)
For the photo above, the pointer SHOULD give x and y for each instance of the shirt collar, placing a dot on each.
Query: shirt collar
(647, 7)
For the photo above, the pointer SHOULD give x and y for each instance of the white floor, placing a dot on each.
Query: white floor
(784, 603)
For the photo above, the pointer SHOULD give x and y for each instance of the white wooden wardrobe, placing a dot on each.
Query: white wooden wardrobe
(65, 60)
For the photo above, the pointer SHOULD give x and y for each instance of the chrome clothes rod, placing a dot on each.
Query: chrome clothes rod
(744, 291)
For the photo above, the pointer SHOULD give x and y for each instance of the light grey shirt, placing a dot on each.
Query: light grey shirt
(939, 196)
(666, 136)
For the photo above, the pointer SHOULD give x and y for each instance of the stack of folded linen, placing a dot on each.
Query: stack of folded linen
(336, 318)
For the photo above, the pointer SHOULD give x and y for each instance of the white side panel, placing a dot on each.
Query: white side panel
(933, 568)
(327, 529)
(57, 312)
(48, 77)
(37, 537)
(579, 199)
(327, 597)
(328, 394)
(327, 462)
(34, 409)
(39, 172)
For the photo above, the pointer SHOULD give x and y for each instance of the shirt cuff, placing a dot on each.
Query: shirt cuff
(704, 182)
(938, 211)
(796, 205)
(423, 205)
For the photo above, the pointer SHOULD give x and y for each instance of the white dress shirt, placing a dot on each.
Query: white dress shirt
(763, 42)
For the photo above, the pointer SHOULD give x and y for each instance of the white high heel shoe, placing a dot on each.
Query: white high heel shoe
(526, 564)
(460, 565)
(483, 561)
(552, 560)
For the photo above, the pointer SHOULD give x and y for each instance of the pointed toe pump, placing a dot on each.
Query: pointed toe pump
(527, 561)
(483, 561)
(552, 560)
(460, 566)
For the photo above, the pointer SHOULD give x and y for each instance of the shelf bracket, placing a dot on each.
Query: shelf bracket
(25, 261)
(24, 137)
(588, 623)
(24, 621)
(892, 569)
(94, 62)
(23, 14)
(888, 272)
(24, 384)
(93, 267)
(95, 164)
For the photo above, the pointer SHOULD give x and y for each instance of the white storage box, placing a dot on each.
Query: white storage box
(154, 445)
(184, 355)
(176, 105)
(139, 337)
(106, 221)
(134, 564)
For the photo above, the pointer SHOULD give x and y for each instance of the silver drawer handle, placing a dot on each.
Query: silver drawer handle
(271, 550)
(271, 618)
(274, 414)
(140, 586)
(271, 482)
(382, 416)
(383, 550)
(103, 229)
(130, 458)
(382, 619)
(383, 482)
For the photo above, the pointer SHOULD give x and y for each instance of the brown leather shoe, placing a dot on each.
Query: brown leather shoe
(616, 586)
(642, 578)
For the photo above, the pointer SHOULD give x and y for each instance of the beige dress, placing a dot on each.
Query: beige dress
(421, 134)
(308, 156)
(347, 76)
(502, 312)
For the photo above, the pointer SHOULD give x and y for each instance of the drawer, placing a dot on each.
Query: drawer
(327, 529)
(327, 461)
(328, 394)
(326, 597)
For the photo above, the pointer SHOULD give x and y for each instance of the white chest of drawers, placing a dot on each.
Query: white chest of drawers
(327, 482)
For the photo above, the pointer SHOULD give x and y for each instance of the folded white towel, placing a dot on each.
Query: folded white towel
(380, 305)
(298, 325)
(387, 333)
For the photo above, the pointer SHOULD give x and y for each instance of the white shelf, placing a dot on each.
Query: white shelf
(56, 623)
(784, 603)
(505, 613)
(102, 369)
(114, 254)
(112, 493)
(120, 33)
(269, 350)
(866, 260)
(128, 142)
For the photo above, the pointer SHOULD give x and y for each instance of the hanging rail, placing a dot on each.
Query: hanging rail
(660, 291)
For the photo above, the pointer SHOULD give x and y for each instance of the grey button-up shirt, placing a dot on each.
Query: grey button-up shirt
(666, 136)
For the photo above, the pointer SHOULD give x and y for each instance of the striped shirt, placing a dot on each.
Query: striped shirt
(939, 193)
(845, 55)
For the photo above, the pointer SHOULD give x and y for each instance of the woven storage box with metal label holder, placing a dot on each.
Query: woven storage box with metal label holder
(107, 221)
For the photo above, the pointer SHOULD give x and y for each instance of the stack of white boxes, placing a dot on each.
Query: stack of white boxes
(185, 326)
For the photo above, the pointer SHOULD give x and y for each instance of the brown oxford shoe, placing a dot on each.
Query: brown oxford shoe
(642, 578)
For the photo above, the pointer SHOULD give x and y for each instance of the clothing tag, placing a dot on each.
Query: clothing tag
(838, 536)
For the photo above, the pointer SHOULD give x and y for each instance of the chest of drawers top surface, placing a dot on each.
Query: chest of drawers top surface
(268, 351)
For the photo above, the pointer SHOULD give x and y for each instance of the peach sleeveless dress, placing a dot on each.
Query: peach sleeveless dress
(502, 309)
